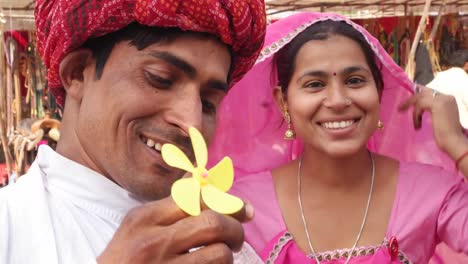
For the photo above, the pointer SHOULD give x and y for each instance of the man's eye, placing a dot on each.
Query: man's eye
(158, 81)
(208, 107)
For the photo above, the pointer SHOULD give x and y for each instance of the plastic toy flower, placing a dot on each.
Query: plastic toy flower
(213, 183)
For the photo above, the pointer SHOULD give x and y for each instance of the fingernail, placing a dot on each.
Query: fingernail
(249, 211)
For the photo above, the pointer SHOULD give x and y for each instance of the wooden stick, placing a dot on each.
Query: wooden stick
(437, 22)
(9, 93)
(430, 43)
(411, 65)
(17, 85)
(3, 110)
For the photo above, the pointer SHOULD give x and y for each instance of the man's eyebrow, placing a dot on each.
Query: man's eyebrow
(187, 68)
(175, 61)
(218, 85)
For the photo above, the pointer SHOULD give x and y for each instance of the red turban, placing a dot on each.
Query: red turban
(64, 25)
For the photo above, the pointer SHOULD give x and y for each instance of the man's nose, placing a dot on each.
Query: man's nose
(185, 111)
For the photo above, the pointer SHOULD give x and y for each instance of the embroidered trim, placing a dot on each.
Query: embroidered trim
(283, 240)
(270, 50)
(344, 253)
(277, 45)
(402, 257)
(334, 254)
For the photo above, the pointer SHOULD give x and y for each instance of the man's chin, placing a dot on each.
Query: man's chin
(154, 183)
(153, 190)
(149, 195)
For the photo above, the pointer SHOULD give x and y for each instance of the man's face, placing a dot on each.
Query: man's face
(145, 99)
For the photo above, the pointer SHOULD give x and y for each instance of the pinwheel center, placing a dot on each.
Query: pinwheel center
(202, 176)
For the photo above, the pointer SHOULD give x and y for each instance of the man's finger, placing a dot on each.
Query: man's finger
(217, 253)
(162, 212)
(244, 215)
(208, 228)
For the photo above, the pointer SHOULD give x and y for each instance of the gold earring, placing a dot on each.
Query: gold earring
(289, 134)
(380, 124)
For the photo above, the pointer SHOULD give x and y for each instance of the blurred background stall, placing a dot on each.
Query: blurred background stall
(27, 111)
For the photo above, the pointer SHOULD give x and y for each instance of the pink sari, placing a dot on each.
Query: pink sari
(250, 128)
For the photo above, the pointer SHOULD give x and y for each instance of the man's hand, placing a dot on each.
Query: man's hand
(159, 232)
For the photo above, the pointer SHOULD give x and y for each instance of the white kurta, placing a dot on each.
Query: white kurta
(62, 212)
(59, 212)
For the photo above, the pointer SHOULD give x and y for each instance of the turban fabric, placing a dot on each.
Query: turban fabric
(65, 25)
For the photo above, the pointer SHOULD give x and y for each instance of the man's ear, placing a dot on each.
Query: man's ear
(280, 100)
(72, 72)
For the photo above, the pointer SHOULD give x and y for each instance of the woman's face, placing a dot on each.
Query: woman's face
(332, 97)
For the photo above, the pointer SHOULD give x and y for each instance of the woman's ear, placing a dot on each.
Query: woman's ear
(280, 99)
(72, 72)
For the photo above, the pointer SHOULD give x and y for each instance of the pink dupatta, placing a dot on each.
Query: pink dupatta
(250, 126)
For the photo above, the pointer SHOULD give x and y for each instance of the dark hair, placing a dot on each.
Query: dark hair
(285, 59)
(140, 36)
(458, 58)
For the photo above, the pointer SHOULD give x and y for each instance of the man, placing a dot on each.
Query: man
(131, 76)
(454, 81)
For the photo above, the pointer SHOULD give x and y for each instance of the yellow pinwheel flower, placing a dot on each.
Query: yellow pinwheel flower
(213, 184)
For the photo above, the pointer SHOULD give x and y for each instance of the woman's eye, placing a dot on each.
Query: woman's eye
(314, 84)
(158, 81)
(355, 81)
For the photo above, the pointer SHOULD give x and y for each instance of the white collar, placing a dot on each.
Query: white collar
(83, 186)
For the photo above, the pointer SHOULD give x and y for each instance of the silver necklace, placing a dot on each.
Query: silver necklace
(304, 222)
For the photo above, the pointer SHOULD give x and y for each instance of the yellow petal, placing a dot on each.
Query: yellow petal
(222, 175)
(199, 147)
(186, 194)
(219, 201)
(174, 157)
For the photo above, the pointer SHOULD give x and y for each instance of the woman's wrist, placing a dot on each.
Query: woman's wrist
(457, 146)
(461, 160)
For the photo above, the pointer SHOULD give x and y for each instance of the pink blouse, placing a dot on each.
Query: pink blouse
(430, 206)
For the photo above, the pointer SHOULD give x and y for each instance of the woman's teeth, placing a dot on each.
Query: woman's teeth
(338, 124)
(150, 143)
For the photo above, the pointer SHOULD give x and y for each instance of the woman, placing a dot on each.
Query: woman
(327, 196)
